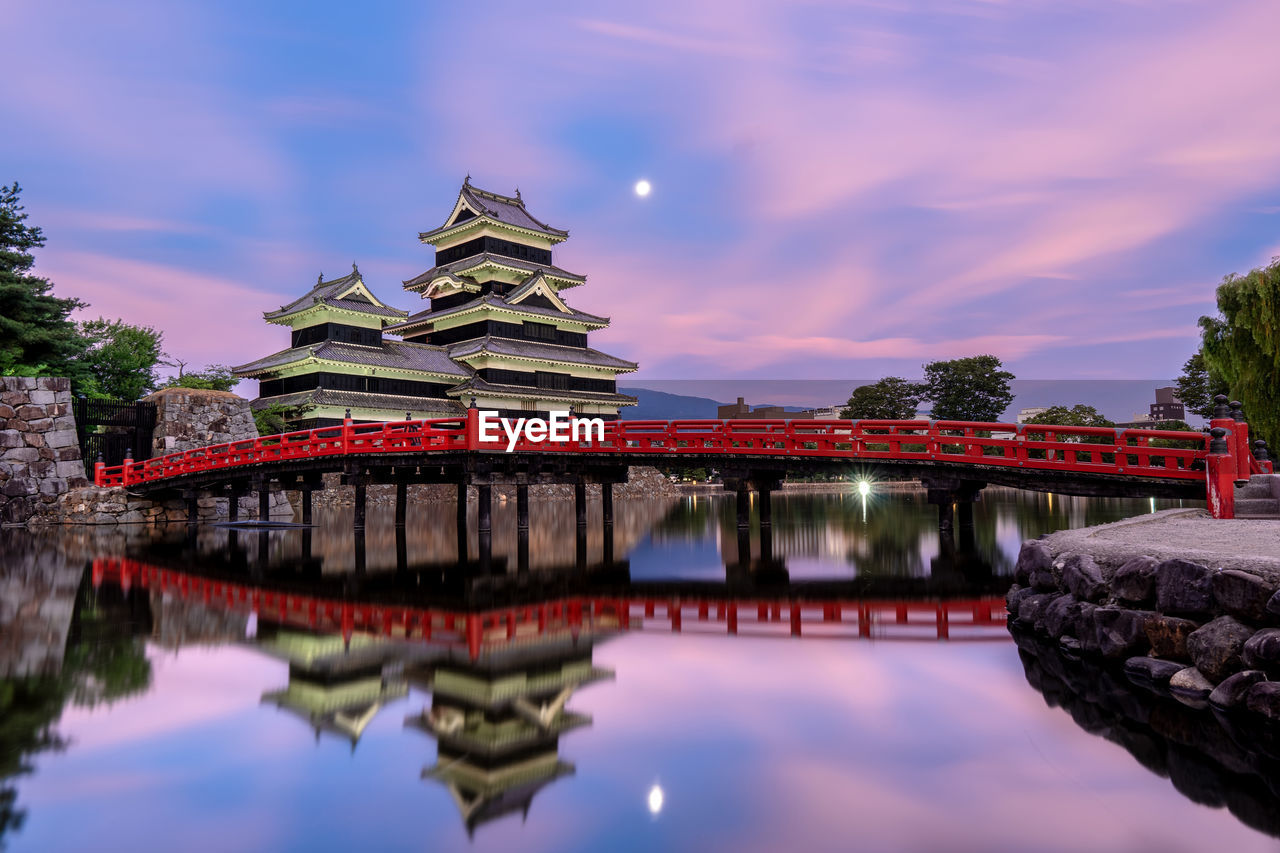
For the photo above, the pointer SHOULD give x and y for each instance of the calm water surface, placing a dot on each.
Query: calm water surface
(159, 695)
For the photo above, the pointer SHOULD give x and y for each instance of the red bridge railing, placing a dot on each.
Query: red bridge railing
(968, 620)
(1155, 454)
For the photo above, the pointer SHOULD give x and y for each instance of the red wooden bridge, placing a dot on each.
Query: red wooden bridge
(954, 459)
(972, 619)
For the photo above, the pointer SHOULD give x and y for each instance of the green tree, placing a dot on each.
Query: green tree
(37, 335)
(967, 389)
(1077, 415)
(215, 377)
(1197, 386)
(119, 359)
(1242, 345)
(891, 399)
(275, 419)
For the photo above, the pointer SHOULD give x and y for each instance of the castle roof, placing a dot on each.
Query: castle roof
(489, 345)
(508, 210)
(348, 292)
(392, 354)
(460, 268)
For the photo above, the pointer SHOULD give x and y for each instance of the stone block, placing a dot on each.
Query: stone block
(1121, 633)
(33, 439)
(61, 438)
(1168, 636)
(1216, 647)
(67, 454)
(1184, 588)
(6, 411)
(1058, 617)
(1190, 687)
(10, 438)
(29, 412)
(1264, 698)
(54, 383)
(1083, 579)
(1233, 688)
(70, 469)
(1262, 651)
(41, 397)
(20, 454)
(1243, 594)
(1033, 556)
(1151, 672)
(40, 425)
(1135, 581)
(1012, 599)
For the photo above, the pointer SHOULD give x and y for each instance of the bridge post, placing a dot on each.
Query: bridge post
(233, 504)
(522, 506)
(1220, 475)
(360, 480)
(948, 493)
(263, 487)
(1240, 442)
(744, 504)
(606, 503)
(306, 489)
(484, 492)
(402, 501)
(193, 506)
(580, 502)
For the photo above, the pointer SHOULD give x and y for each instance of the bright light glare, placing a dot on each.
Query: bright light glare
(643, 188)
(864, 488)
(655, 800)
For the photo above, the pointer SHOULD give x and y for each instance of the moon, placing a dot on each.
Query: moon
(643, 188)
(655, 799)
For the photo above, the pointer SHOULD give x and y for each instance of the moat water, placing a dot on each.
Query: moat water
(219, 690)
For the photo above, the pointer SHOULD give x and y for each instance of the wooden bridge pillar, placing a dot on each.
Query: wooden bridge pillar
(580, 502)
(484, 492)
(402, 503)
(948, 494)
(193, 506)
(306, 489)
(263, 487)
(606, 503)
(233, 504)
(522, 507)
(362, 499)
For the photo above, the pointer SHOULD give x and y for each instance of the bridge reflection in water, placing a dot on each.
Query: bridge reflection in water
(502, 648)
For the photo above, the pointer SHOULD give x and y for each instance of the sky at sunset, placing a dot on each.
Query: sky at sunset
(839, 189)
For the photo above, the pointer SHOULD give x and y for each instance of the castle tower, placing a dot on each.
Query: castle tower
(498, 307)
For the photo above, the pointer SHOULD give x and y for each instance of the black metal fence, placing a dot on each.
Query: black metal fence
(114, 429)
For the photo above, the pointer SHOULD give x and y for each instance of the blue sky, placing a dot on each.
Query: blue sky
(840, 190)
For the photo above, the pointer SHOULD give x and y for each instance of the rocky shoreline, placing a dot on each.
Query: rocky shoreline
(1204, 632)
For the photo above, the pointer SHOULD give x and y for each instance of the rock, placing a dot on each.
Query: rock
(10, 438)
(1264, 698)
(1233, 688)
(1083, 579)
(1151, 672)
(1084, 627)
(1135, 581)
(60, 438)
(1273, 605)
(1184, 588)
(1033, 557)
(1216, 647)
(1190, 687)
(1058, 617)
(1121, 633)
(1262, 651)
(1168, 636)
(1029, 609)
(1242, 594)
(1013, 598)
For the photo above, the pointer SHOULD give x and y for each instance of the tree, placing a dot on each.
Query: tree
(274, 419)
(891, 399)
(37, 336)
(1242, 345)
(1197, 386)
(215, 377)
(967, 389)
(1077, 415)
(119, 359)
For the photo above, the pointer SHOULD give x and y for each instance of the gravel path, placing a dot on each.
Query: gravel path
(1249, 544)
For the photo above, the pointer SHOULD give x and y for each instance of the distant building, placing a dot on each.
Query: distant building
(740, 409)
(1025, 415)
(1167, 406)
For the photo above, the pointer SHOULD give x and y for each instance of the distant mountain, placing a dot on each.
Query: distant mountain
(664, 399)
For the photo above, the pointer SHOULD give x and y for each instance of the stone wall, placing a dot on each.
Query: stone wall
(1208, 636)
(187, 418)
(39, 453)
